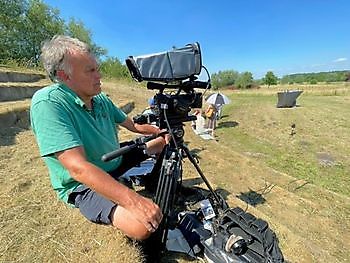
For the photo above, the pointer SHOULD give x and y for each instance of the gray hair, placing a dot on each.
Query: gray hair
(53, 53)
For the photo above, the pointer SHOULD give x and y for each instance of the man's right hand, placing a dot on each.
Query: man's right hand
(145, 211)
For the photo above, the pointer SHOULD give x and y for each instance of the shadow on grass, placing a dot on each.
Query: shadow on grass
(224, 116)
(11, 124)
(192, 181)
(195, 152)
(8, 135)
(252, 198)
(227, 124)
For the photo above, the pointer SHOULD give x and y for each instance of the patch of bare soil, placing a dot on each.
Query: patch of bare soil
(312, 224)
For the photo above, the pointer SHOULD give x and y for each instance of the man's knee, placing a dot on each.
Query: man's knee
(125, 222)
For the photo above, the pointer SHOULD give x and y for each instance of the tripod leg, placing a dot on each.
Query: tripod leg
(166, 191)
(193, 161)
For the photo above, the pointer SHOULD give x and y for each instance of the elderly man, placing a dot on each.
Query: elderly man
(75, 124)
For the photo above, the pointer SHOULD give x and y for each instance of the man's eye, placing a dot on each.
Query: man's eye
(92, 70)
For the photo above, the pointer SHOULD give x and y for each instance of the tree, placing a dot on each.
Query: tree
(245, 80)
(77, 30)
(224, 78)
(12, 20)
(270, 79)
(25, 24)
(113, 68)
(42, 22)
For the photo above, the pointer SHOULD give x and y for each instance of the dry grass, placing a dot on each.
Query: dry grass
(255, 162)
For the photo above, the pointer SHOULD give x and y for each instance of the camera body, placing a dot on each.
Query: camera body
(171, 110)
(175, 72)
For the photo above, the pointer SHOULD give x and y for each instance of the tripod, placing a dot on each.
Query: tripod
(169, 182)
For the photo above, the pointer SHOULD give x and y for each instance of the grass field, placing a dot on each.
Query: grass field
(299, 183)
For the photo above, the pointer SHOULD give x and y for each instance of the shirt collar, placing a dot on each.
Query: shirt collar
(73, 95)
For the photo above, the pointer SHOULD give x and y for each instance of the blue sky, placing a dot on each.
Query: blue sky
(284, 36)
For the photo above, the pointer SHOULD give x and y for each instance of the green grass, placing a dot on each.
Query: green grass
(322, 129)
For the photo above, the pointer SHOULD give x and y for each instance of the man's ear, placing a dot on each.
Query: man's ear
(62, 75)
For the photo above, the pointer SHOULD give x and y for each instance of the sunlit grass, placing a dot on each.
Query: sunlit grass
(321, 126)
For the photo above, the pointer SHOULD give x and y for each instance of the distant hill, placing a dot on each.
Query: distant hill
(313, 78)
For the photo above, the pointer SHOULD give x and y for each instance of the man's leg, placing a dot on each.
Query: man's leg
(126, 222)
(100, 210)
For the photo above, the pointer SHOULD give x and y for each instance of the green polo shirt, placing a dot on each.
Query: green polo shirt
(60, 121)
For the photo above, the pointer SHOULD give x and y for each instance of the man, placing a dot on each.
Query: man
(75, 124)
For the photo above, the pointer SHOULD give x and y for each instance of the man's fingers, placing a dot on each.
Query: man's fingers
(152, 215)
(151, 227)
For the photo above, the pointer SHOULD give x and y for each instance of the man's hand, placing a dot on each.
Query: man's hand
(146, 129)
(144, 210)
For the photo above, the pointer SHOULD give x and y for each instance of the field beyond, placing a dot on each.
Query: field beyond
(289, 166)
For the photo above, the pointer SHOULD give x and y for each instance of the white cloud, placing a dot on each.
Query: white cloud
(340, 60)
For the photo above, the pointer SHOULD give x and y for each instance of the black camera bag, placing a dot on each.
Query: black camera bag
(241, 237)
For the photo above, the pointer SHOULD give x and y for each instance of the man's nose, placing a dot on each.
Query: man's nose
(98, 75)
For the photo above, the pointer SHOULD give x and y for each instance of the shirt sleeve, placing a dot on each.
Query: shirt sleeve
(53, 128)
(119, 116)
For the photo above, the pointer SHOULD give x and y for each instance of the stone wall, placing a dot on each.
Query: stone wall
(7, 76)
(11, 93)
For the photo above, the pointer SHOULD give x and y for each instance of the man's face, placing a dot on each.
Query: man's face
(84, 77)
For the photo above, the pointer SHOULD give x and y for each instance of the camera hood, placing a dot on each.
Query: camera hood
(173, 65)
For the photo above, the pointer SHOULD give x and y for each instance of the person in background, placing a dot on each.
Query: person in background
(197, 113)
(210, 113)
(219, 111)
(75, 123)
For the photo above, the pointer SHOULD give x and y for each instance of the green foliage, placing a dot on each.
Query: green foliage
(25, 24)
(245, 80)
(11, 26)
(224, 78)
(313, 78)
(232, 78)
(270, 79)
(113, 68)
(77, 29)
(313, 81)
(42, 22)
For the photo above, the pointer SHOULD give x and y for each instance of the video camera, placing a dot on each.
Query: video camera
(174, 74)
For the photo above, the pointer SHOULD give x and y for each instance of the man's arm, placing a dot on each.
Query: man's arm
(140, 128)
(154, 146)
(144, 210)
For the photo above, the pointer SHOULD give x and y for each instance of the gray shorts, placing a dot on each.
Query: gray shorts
(94, 206)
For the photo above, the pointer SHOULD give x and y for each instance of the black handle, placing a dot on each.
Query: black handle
(137, 143)
(112, 155)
